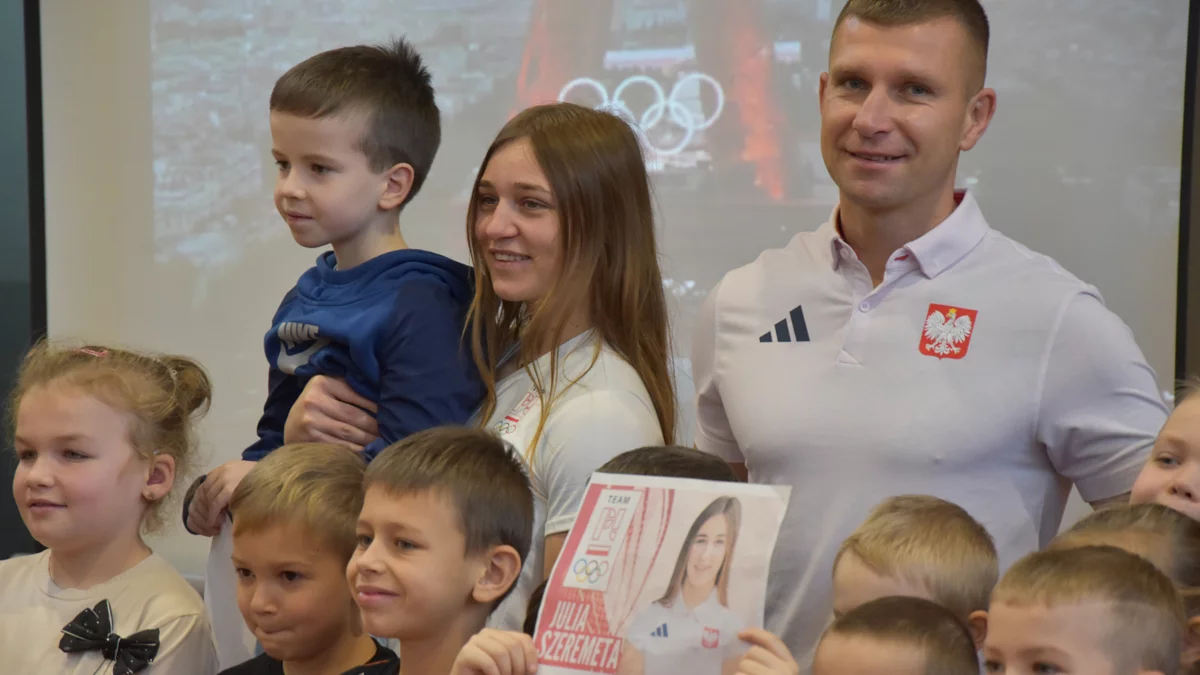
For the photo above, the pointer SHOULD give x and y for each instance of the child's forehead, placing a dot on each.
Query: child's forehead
(1184, 423)
(404, 506)
(282, 538)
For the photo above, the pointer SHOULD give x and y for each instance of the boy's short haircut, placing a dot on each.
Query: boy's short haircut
(928, 626)
(1160, 534)
(484, 480)
(388, 84)
(672, 461)
(1146, 615)
(932, 543)
(314, 486)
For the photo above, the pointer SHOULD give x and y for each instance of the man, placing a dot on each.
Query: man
(904, 346)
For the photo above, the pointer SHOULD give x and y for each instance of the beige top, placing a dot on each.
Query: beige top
(33, 611)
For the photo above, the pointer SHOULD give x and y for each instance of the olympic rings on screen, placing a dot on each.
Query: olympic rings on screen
(589, 571)
(665, 105)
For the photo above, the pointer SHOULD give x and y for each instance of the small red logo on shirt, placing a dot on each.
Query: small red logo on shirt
(711, 639)
(947, 331)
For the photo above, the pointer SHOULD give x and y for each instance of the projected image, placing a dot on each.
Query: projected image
(723, 93)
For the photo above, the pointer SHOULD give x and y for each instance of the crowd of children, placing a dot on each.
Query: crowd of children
(343, 547)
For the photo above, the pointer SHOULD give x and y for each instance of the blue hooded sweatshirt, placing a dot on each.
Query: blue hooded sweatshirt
(392, 327)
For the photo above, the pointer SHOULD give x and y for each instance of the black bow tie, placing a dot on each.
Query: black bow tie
(92, 630)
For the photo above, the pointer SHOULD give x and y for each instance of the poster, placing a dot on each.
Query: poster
(658, 575)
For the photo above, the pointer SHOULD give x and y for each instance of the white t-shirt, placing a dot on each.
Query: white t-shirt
(605, 412)
(33, 612)
(978, 371)
(676, 639)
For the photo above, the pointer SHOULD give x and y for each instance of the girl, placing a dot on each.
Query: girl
(1171, 476)
(100, 435)
(691, 629)
(568, 323)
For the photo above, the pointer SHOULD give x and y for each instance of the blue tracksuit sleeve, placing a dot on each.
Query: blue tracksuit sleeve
(427, 376)
(283, 391)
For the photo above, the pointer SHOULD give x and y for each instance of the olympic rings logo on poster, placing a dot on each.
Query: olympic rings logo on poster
(666, 105)
(589, 571)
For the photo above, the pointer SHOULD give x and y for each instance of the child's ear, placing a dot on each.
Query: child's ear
(501, 567)
(160, 476)
(977, 624)
(399, 184)
(1191, 643)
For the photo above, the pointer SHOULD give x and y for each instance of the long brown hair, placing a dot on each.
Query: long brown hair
(597, 175)
(731, 509)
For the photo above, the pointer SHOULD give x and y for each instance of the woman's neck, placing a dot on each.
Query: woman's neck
(351, 650)
(694, 595)
(435, 655)
(93, 565)
(577, 324)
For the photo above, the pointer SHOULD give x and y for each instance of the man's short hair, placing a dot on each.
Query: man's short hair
(968, 13)
(931, 543)
(917, 622)
(315, 487)
(1163, 536)
(671, 461)
(388, 84)
(1146, 615)
(484, 480)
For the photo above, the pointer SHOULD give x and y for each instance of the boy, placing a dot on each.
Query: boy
(671, 461)
(1171, 476)
(920, 546)
(896, 636)
(446, 522)
(354, 132)
(1096, 610)
(293, 533)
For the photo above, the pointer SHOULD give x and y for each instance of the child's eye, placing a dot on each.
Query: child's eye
(320, 169)
(26, 455)
(1046, 669)
(406, 545)
(1166, 461)
(244, 573)
(74, 455)
(282, 165)
(993, 667)
(364, 541)
(289, 576)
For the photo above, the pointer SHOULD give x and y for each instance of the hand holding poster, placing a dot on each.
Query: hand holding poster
(659, 575)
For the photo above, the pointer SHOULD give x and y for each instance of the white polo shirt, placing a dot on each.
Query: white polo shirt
(978, 371)
(691, 641)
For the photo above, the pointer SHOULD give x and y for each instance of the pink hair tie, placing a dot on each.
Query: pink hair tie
(98, 353)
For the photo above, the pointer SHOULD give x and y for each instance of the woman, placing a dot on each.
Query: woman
(569, 320)
(691, 629)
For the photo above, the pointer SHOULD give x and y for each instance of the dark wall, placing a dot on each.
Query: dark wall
(22, 227)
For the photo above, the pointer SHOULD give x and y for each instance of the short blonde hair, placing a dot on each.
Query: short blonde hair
(1172, 539)
(1146, 615)
(928, 626)
(932, 543)
(314, 486)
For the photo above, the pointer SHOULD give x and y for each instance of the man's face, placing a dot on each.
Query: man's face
(897, 106)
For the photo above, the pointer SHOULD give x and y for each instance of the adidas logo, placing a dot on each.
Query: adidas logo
(798, 331)
(661, 631)
(293, 334)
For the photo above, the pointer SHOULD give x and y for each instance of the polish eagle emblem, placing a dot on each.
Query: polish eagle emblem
(947, 332)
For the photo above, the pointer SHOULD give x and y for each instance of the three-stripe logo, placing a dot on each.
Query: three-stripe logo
(797, 332)
(661, 632)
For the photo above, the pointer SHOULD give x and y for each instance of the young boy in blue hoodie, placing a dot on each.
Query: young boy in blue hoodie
(354, 132)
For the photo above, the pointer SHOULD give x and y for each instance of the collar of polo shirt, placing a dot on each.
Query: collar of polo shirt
(934, 252)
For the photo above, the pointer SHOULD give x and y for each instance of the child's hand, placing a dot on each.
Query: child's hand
(207, 512)
(496, 652)
(768, 656)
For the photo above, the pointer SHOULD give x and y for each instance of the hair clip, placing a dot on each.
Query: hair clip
(98, 353)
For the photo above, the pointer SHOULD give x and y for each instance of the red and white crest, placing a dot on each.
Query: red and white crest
(711, 638)
(947, 331)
